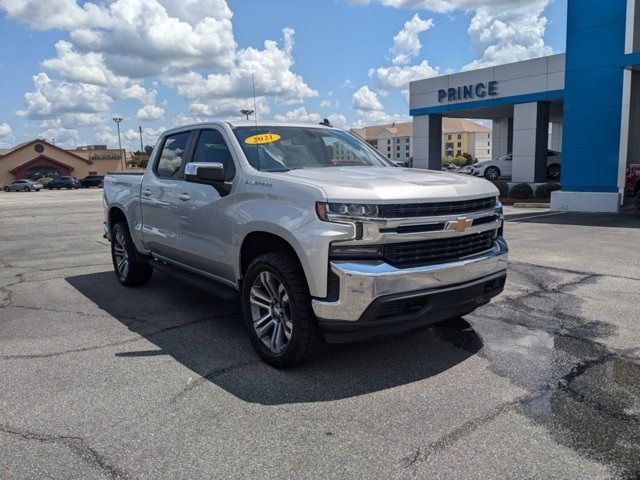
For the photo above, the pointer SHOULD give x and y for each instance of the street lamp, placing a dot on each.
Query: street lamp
(118, 120)
(246, 112)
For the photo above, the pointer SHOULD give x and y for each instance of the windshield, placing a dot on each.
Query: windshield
(278, 149)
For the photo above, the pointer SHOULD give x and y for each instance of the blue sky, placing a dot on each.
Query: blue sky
(66, 67)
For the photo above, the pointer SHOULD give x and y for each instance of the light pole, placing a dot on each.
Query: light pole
(246, 112)
(118, 120)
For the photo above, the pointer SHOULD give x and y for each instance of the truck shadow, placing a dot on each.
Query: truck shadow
(207, 336)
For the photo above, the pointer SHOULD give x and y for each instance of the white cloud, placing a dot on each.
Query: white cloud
(131, 137)
(63, 14)
(501, 31)
(150, 113)
(54, 131)
(325, 104)
(406, 43)
(5, 131)
(52, 98)
(507, 36)
(366, 99)
(398, 77)
(270, 67)
(299, 115)
(337, 120)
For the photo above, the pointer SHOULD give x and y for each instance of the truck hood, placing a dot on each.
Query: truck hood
(367, 184)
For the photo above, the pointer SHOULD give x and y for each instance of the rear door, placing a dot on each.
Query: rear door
(205, 215)
(159, 202)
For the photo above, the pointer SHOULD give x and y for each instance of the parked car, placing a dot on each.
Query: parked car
(501, 167)
(63, 182)
(23, 186)
(632, 183)
(314, 249)
(449, 167)
(92, 181)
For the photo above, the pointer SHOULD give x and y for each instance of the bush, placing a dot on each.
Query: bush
(544, 190)
(44, 180)
(521, 191)
(502, 186)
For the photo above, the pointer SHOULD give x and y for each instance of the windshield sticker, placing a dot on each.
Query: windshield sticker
(262, 138)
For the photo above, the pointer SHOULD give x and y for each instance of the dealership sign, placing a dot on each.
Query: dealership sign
(467, 92)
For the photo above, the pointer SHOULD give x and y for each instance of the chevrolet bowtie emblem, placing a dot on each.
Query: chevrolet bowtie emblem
(460, 224)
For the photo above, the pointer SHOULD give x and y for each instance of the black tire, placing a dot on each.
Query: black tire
(26, 189)
(306, 340)
(7, 189)
(553, 171)
(492, 173)
(136, 272)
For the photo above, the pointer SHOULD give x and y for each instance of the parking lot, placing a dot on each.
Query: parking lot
(99, 381)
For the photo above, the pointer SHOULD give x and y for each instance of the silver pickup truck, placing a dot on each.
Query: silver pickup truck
(321, 237)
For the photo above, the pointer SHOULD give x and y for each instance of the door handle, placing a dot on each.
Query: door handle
(184, 197)
(146, 193)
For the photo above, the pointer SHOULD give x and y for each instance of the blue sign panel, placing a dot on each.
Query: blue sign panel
(467, 92)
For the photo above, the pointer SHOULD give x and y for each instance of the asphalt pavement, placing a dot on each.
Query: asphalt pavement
(101, 381)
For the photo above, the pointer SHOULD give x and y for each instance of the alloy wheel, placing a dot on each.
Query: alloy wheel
(121, 255)
(271, 311)
(492, 173)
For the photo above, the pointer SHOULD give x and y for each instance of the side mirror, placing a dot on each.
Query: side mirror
(203, 172)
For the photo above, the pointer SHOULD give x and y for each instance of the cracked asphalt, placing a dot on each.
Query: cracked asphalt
(100, 381)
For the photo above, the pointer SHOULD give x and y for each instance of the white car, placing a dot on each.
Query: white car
(501, 167)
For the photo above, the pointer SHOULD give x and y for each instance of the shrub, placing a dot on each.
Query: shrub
(544, 190)
(44, 180)
(502, 186)
(521, 191)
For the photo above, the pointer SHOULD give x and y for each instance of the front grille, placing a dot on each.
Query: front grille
(426, 252)
(407, 210)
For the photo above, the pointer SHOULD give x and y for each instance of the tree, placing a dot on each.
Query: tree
(148, 149)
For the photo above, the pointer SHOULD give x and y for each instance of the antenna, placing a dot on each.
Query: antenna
(255, 114)
(255, 107)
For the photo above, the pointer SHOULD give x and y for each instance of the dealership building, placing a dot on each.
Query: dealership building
(585, 103)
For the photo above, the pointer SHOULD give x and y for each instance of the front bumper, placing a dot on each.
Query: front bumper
(364, 282)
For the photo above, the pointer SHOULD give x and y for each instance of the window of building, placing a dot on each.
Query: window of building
(173, 150)
(459, 136)
(388, 149)
(407, 147)
(388, 155)
(459, 153)
(488, 144)
(448, 137)
(449, 153)
(212, 148)
(488, 152)
(459, 144)
(488, 135)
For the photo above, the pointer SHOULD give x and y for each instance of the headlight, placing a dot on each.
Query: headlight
(327, 211)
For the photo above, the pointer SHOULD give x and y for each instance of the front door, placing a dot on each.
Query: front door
(159, 200)
(205, 215)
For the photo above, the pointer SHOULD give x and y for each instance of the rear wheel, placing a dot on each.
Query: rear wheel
(129, 270)
(492, 173)
(7, 189)
(277, 311)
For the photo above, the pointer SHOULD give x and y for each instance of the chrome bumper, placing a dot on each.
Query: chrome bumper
(363, 282)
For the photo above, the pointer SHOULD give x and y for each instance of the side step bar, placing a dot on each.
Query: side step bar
(210, 286)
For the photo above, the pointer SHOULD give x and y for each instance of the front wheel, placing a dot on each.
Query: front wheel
(492, 173)
(26, 189)
(129, 270)
(277, 311)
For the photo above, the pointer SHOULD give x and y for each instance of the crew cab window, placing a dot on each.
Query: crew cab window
(211, 147)
(173, 151)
